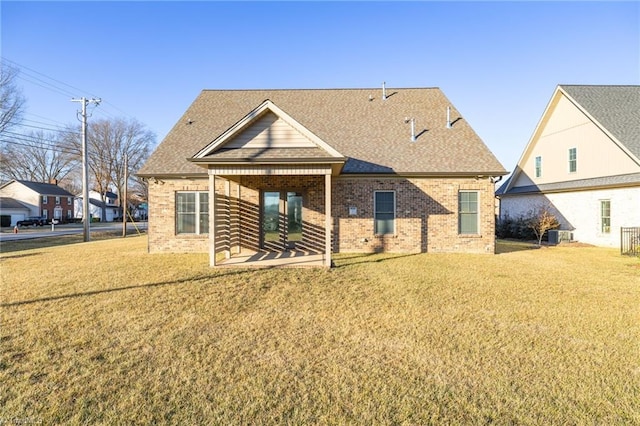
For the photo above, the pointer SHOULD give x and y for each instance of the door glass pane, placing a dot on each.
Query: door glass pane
(294, 216)
(270, 215)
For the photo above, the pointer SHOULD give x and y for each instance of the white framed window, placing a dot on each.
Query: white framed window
(69, 201)
(605, 216)
(573, 160)
(45, 213)
(69, 214)
(192, 212)
(384, 212)
(468, 212)
(45, 199)
(57, 201)
(538, 166)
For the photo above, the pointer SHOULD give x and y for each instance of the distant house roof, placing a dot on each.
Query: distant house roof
(48, 189)
(7, 203)
(632, 179)
(371, 134)
(616, 108)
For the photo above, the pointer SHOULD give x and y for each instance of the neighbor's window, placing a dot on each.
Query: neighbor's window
(45, 199)
(605, 216)
(538, 167)
(573, 160)
(468, 212)
(57, 200)
(68, 201)
(384, 212)
(45, 213)
(192, 212)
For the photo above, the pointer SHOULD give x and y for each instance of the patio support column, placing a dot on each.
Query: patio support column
(212, 219)
(239, 219)
(328, 220)
(227, 194)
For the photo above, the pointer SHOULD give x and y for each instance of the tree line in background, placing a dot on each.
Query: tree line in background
(47, 155)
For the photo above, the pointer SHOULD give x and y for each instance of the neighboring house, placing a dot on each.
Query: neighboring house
(42, 199)
(14, 210)
(106, 210)
(342, 170)
(583, 161)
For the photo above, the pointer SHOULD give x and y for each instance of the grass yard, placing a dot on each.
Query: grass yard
(104, 333)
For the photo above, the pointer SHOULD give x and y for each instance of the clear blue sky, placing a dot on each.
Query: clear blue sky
(498, 62)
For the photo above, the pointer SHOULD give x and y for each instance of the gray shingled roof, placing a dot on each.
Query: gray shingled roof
(7, 203)
(617, 109)
(631, 179)
(48, 189)
(372, 134)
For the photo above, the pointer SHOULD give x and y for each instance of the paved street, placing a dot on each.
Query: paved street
(68, 229)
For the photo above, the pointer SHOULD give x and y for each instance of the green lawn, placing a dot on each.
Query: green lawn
(104, 333)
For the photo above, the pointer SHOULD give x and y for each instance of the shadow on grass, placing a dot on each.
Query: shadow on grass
(17, 256)
(358, 258)
(112, 290)
(56, 240)
(510, 246)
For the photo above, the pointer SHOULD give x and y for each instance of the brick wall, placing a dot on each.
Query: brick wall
(429, 205)
(426, 214)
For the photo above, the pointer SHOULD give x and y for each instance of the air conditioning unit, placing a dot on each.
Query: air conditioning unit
(557, 236)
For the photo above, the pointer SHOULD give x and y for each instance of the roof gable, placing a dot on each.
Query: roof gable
(266, 127)
(612, 112)
(616, 109)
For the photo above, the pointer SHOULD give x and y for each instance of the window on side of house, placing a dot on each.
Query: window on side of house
(192, 212)
(573, 160)
(384, 211)
(605, 216)
(538, 166)
(468, 212)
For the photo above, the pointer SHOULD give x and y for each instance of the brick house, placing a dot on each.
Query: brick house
(321, 171)
(43, 199)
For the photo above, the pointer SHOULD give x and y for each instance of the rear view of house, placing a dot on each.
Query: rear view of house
(321, 171)
(583, 161)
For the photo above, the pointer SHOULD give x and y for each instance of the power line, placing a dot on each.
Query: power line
(49, 129)
(50, 147)
(58, 89)
(14, 63)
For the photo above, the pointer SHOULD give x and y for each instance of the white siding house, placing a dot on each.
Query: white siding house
(97, 207)
(582, 161)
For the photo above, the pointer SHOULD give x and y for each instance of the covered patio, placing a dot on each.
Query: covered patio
(277, 216)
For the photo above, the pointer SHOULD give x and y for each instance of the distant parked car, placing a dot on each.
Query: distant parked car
(32, 221)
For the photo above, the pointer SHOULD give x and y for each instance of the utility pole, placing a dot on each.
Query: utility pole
(125, 210)
(86, 217)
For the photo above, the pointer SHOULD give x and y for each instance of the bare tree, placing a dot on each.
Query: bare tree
(541, 220)
(131, 142)
(108, 142)
(37, 156)
(11, 100)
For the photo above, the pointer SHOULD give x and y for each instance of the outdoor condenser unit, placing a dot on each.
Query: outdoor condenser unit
(557, 236)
